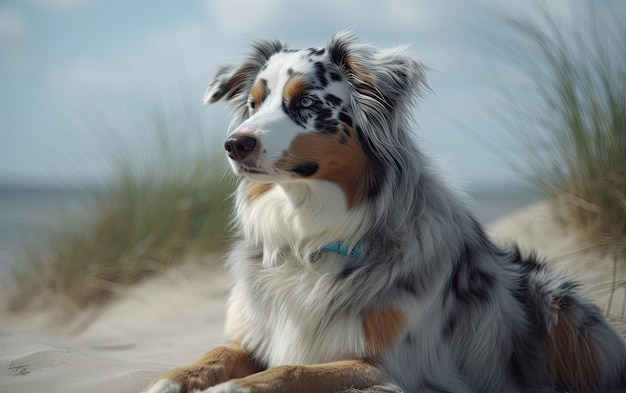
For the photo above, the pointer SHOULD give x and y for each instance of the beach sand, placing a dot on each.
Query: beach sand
(161, 323)
(168, 320)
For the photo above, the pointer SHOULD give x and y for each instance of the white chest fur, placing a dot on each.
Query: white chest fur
(283, 313)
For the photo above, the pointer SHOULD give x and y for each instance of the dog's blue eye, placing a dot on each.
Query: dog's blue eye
(306, 102)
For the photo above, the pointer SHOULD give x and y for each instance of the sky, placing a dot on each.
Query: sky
(72, 71)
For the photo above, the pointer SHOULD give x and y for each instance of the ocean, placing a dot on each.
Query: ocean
(28, 213)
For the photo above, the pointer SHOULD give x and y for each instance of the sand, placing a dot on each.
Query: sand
(167, 321)
(161, 323)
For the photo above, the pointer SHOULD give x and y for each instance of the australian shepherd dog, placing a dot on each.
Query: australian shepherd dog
(355, 266)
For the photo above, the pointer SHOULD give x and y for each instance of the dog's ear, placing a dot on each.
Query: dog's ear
(228, 82)
(232, 82)
(384, 81)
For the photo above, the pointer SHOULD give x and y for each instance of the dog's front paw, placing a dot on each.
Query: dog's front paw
(227, 387)
(164, 386)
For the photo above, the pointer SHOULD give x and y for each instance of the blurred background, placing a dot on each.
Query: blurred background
(71, 69)
(102, 98)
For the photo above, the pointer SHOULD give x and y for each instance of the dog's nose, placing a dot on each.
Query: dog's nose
(239, 146)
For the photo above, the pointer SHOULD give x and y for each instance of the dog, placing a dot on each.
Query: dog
(356, 265)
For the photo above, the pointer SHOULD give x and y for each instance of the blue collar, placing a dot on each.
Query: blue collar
(344, 249)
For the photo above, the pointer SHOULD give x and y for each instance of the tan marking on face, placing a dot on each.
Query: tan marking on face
(572, 354)
(258, 93)
(218, 365)
(344, 164)
(296, 86)
(255, 190)
(381, 328)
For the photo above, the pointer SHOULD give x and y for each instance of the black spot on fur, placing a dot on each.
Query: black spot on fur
(325, 123)
(328, 126)
(470, 282)
(408, 339)
(345, 118)
(289, 71)
(332, 100)
(324, 114)
(335, 76)
(407, 284)
(320, 73)
(449, 325)
(306, 169)
(317, 51)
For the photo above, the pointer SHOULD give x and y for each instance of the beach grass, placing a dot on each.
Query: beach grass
(570, 114)
(162, 203)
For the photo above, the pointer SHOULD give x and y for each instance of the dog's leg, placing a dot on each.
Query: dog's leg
(584, 352)
(319, 378)
(216, 366)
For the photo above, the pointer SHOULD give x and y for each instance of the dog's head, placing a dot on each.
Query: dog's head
(318, 114)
